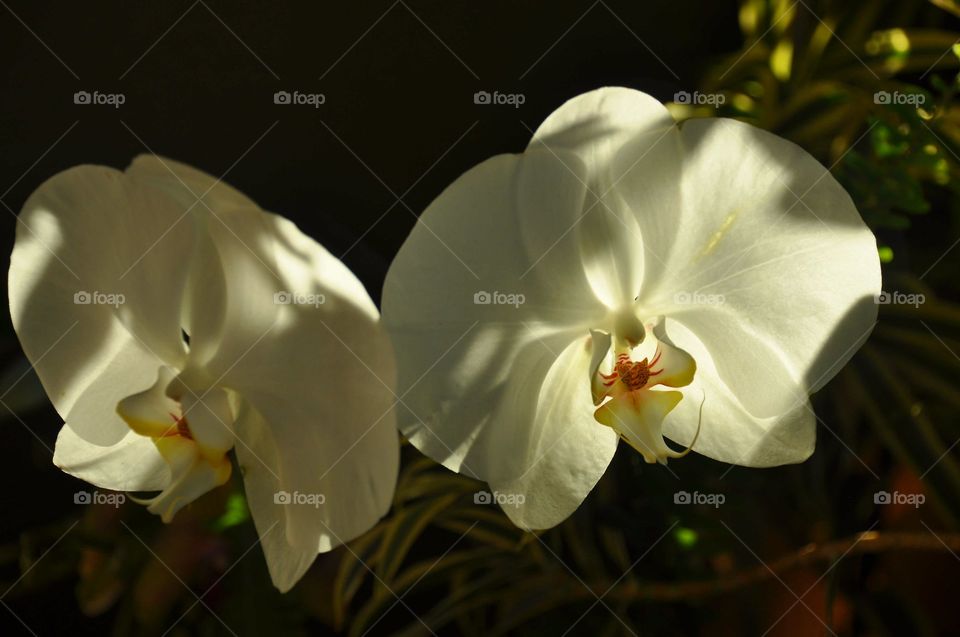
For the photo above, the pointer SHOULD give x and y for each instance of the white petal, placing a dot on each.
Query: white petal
(595, 125)
(210, 419)
(260, 464)
(329, 500)
(96, 281)
(191, 187)
(210, 201)
(321, 376)
(729, 432)
(95, 444)
(317, 367)
(92, 230)
(766, 259)
(301, 344)
(499, 230)
(130, 464)
(555, 458)
(584, 136)
(600, 344)
(205, 304)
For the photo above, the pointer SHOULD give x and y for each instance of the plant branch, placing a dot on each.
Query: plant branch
(868, 542)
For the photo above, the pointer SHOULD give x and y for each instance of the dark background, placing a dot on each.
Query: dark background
(397, 98)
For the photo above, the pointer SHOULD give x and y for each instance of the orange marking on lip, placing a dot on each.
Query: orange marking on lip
(183, 429)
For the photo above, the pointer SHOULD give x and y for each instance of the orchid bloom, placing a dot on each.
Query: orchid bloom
(171, 320)
(625, 277)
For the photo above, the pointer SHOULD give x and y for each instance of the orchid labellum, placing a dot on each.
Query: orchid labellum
(675, 279)
(161, 310)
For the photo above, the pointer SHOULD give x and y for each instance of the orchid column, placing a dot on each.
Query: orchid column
(626, 277)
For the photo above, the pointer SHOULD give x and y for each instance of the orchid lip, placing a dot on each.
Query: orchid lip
(191, 433)
(633, 397)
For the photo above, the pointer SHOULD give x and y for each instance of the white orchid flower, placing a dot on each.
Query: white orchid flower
(171, 320)
(625, 277)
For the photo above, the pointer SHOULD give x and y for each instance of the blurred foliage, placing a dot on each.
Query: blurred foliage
(872, 100)
(868, 88)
